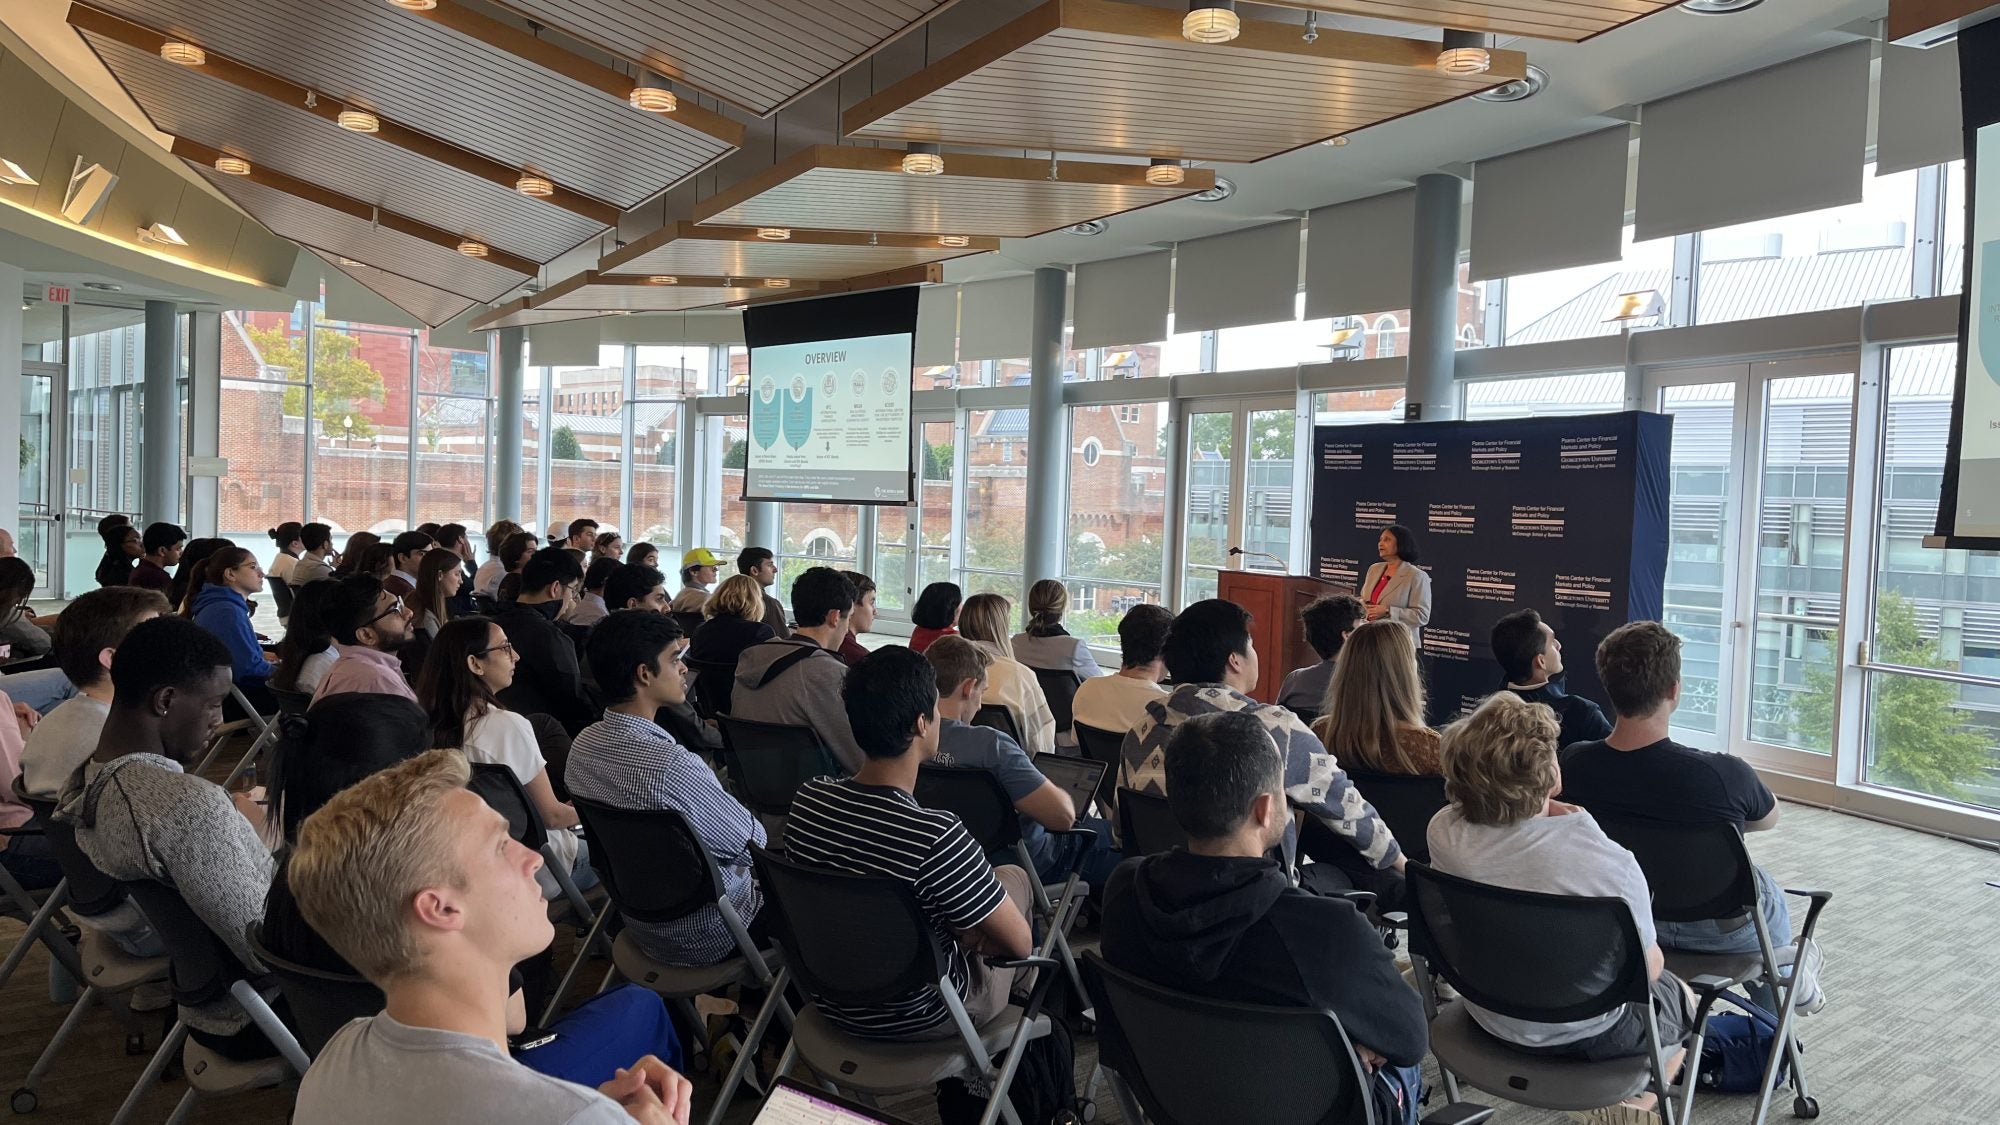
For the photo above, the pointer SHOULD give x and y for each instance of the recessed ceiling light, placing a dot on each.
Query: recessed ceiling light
(541, 187)
(774, 234)
(348, 262)
(186, 54)
(777, 283)
(358, 121)
(163, 234)
(1165, 172)
(415, 5)
(1718, 7)
(1464, 52)
(954, 240)
(663, 279)
(14, 175)
(1222, 190)
(923, 159)
(1088, 228)
(1520, 89)
(232, 165)
(1335, 142)
(1211, 21)
(653, 94)
(473, 248)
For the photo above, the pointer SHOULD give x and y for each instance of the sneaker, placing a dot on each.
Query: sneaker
(1805, 971)
(151, 997)
(1620, 1114)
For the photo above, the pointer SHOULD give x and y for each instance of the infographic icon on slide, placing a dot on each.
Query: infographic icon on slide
(842, 410)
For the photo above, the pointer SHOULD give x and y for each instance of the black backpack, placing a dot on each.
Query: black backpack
(1044, 1087)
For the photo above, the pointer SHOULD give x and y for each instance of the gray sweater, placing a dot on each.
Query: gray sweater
(141, 817)
(804, 693)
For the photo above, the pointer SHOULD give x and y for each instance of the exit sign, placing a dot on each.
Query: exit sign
(58, 295)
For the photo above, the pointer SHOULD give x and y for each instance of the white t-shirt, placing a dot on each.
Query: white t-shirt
(1563, 855)
(486, 580)
(504, 738)
(389, 1073)
(314, 668)
(64, 739)
(1114, 703)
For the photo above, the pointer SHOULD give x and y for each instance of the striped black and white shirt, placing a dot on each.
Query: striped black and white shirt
(843, 825)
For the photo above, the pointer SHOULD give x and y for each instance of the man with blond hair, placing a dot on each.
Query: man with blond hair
(414, 880)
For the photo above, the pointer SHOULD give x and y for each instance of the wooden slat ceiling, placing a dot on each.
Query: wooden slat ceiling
(184, 102)
(1568, 20)
(517, 314)
(338, 233)
(837, 187)
(449, 85)
(591, 290)
(685, 248)
(756, 54)
(1106, 77)
(432, 306)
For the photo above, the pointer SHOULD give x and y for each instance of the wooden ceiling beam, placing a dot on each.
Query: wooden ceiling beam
(198, 153)
(1567, 21)
(248, 78)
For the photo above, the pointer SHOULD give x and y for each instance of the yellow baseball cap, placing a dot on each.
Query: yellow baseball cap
(700, 556)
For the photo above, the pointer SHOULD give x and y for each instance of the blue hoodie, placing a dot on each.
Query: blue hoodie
(222, 611)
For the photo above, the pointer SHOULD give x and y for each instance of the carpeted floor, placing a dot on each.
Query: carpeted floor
(1909, 1034)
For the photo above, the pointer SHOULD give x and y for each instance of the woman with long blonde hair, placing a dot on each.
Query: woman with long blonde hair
(984, 620)
(1373, 715)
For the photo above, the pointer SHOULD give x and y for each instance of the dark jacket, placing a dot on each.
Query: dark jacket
(797, 682)
(721, 640)
(548, 680)
(774, 616)
(1236, 929)
(1582, 720)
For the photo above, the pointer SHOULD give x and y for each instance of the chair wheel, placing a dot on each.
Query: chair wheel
(1805, 1107)
(1087, 1110)
(25, 1100)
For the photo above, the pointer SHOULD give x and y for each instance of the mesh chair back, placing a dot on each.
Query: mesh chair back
(291, 702)
(502, 792)
(976, 797)
(1307, 715)
(1695, 871)
(202, 967)
(688, 621)
(486, 606)
(280, 593)
(1146, 824)
(91, 892)
(853, 940)
(1059, 685)
(1194, 1061)
(1406, 805)
(713, 682)
(653, 865)
(40, 808)
(321, 1003)
(1000, 719)
(554, 743)
(1101, 746)
(1548, 958)
(773, 760)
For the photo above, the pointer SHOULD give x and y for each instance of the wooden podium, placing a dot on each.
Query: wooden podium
(1274, 602)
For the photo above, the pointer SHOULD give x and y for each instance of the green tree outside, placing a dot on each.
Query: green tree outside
(564, 446)
(1271, 441)
(737, 456)
(938, 460)
(341, 379)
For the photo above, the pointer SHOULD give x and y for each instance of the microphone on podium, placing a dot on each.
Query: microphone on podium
(1257, 555)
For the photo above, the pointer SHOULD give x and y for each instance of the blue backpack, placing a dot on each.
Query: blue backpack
(1735, 1049)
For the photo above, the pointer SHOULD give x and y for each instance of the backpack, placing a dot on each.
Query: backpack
(1043, 1091)
(1735, 1049)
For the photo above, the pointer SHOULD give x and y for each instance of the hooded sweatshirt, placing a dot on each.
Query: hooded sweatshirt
(1232, 928)
(804, 691)
(224, 612)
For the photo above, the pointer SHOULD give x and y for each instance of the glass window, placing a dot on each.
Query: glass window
(453, 435)
(1697, 559)
(1828, 259)
(1117, 517)
(1572, 304)
(1353, 408)
(1591, 392)
(361, 422)
(1952, 260)
(587, 437)
(814, 535)
(655, 476)
(996, 501)
(1211, 457)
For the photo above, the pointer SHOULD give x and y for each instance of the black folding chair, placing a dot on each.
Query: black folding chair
(859, 941)
(281, 593)
(291, 702)
(1101, 746)
(713, 681)
(656, 869)
(1496, 946)
(1146, 824)
(501, 790)
(1189, 1060)
(1702, 872)
(321, 1002)
(770, 761)
(554, 742)
(1059, 685)
(688, 621)
(1406, 804)
(1000, 719)
(1307, 715)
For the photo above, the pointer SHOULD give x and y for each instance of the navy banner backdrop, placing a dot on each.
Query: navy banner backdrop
(1565, 515)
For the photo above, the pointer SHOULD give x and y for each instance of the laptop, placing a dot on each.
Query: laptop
(794, 1103)
(1079, 777)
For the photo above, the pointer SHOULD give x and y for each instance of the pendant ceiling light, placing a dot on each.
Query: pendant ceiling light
(1464, 52)
(414, 5)
(541, 187)
(774, 234)
(186, 54)
(473, 248)
(1335, 142)
(358, 121)
(232, 165)
(923, 160)
(653, 94)
(1211, 21)
(1165, 172)
(663, 279)
(954, 240)
(777, 283)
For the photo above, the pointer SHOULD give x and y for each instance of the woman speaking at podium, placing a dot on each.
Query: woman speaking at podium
(1396, 588)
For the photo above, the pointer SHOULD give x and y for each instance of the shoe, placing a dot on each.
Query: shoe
(151, 997)
(1804, 971)
(1620, 1114)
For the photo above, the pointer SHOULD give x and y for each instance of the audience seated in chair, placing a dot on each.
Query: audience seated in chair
(1214, 666)
(138, 817)
(1372, 717)
(93, 627)
(961, 668)
(589, 609)
(1639, 772)
(759, 563)
(635, 586)
(549, 680)
(861, 620)
(406, 556)
(162, 543)
(1045, 643)
(1220, 919)
(1328, 622)
(314, 562)
(1531, 658)
(697, 575)
(1117, 702)
(486, 579)
(627, 761)
(733, 622)
(871, 824)
(369, 626)
(26, 857)
(440, 575)
(935, 614)
(413, 880)
(797, 679)
(18, 629)
(307, 652)
(1010, 684)
(221, 605)
(1505, 828)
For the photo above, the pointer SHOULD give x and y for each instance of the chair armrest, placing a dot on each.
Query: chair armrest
(1708, 984)
(1396, 918)
(1819, 899)
(1030, 962)
(1810, 892)
(1364, 901)
(1458, 1113)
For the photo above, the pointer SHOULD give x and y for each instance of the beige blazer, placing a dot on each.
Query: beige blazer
(1408, 594)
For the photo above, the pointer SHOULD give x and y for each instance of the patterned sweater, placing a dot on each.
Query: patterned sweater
(1313, 778)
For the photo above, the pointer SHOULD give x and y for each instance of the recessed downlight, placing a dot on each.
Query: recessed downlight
(1718, 7)
(1088, 228)
(1335, 142)
(1520, 89)
(774, 234)
(1222, 190)
(777, 283)
(663, 279)
(358, 121)
(414, 5)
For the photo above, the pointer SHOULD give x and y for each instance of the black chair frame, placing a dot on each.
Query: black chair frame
(1101, 746)
(321, 1002)
(1059, 686)
(769, 761)
(1000, 719)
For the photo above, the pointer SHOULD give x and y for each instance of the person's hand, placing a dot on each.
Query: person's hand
(246, 803)
(1376, 611)
(651, 1092)
(26, 716)
(1369, 1058)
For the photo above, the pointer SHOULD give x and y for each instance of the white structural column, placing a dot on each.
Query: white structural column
(1048, 453)
(1434, 296)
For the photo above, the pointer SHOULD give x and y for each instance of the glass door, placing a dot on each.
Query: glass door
(914, 543)
(37, 533)
(1240, 492)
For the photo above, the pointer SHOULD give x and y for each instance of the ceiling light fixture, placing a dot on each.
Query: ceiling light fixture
(774, 234)
(653, 94)
(473, 248)
(1520, 89)
(1211, 21)
(541, 187)
(1336, 142)
(1464, 52)
(232, 165)
(349, 262)
(186, 54)
(162, 234)
(1165, 172)
(13, 175)
(414, 5)
(358, 121)
(777, 283)
(1645, 304)
(923, 159)
(663, 279)
(1718, 7)
(1222, 190)
(1087, 228)
(954, 240)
